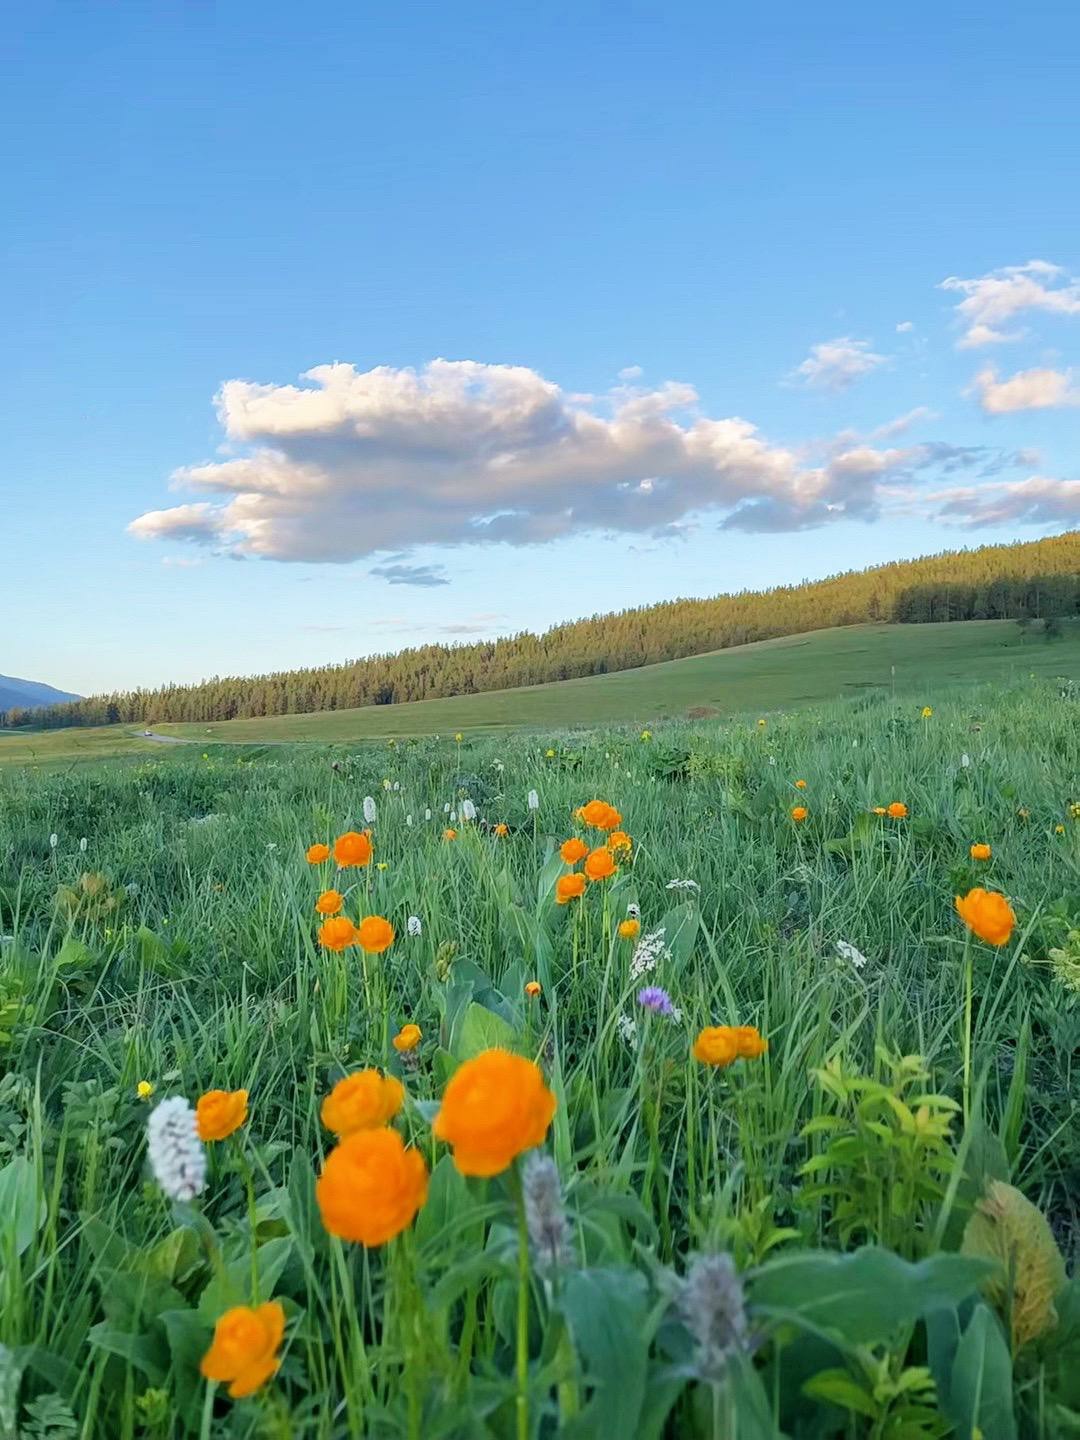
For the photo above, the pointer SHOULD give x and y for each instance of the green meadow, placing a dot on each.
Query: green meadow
(863, 1228)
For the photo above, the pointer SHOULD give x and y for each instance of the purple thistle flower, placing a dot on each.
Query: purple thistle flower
(656, 999)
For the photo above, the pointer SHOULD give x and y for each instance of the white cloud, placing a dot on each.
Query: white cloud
(1040, 500)
(423, 575)
(905, 326)
(631, 372)
(993, 300)
(1026, 390)
(353, 464)
(837, 364)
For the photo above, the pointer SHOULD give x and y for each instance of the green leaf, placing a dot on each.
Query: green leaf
(23, 1210)
(980, 1389)
(139, 1350)
(606, 1312)
(232, 1285)
(836, 1387)
(481, 1029)
(864, 1297)
(445, 1214)
(11, 1370)
(189, 1339)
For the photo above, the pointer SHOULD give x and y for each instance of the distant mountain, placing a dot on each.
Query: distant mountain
(29, 694)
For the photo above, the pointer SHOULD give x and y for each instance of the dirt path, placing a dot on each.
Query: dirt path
(153, 736)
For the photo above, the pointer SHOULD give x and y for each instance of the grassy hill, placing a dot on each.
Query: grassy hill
(917, 661)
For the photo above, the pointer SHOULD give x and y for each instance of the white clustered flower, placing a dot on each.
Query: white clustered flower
(771, 759)
(633, 911)
(498, 765)
(626, 1028)
(446, 808)
(397, 785)
(534, 800)
(855, 744)
(408, 821)
(413, 925)
(647, 953)
(468, 810)
(453, 817)
(369, 809)
(427, 814)
(965, 761)
(82, 844)
(847, 951)
(175, 1150)
(682, 885)
(54, 840)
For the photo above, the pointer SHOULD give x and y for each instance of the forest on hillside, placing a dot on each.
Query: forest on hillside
(1036, 580)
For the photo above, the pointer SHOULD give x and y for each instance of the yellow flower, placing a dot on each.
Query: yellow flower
(646, 734)
(619, 840)
(220, 1112)
(502, 830)
(629, 929)
(459, 737)
(407, 1038)
(1074, 810)
(927, 711)
(364, 1101)
(550, 754)
(144, 1089)
(880, 810)
(244, 1349)
(980, 852)
(761, 723)
(382, 865)
(495, 1107)
(1059, 829)
(987, 915)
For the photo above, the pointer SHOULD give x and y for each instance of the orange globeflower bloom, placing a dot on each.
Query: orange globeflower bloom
(532, 989)
(501, 829)
(987, 915)
(751, 1045)
(629, 929)
(799, 813)
(495, 1107)
(364, 1101)
(800, 784)
(716, 1045)
(898, 810)
(316, 854)
(371, 1187)
(352, 849)
(619, 840)
(980, 852)
(244, 1348)
(337, 933)
(573, 850)
(600, 864)
(219, 1112)
(329, 902)
(449, 834)
(600, 815)
(375, 934)
(569, 887)
(407, 1038)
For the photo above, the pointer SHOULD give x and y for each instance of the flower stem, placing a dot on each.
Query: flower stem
(969, 965)
(522, 1310)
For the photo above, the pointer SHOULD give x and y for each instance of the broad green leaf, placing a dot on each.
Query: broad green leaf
(606, 1312)
(232, 1285)
(980, 1389)
(481, 1029)
(23, 1210)
(1008, 1229)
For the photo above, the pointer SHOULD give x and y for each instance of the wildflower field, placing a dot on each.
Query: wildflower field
(716, 1081)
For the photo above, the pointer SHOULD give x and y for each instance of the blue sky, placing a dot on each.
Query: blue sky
(673, 243)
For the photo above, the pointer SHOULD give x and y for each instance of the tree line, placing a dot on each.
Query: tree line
(1036, 580)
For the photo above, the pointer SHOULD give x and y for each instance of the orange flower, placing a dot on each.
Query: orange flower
(449, 834)
(220, 1112)
(244, 1348)
(799, 813)
(371, 1187)
(364, 1101)
(352, 849)
(495, 1107)
(501, 830)
(407, 1038)
(600, 815)
(329, 902)
(375, 934)
(599, 864)
(800, 784)
(316, 854)
(980, 852)
(337, 933)
(573, 850)
(987, 915)
(716, 1045)
(532, 989)
(722, 1045)
(898, 810)
(619, 840)
(629, 929)
(569, 887)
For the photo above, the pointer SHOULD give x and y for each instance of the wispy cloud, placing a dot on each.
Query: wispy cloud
(421, 575)
(1039, 500)
(1026, 390)
(999, 297)
(837, 364)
